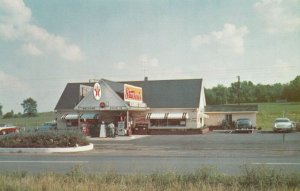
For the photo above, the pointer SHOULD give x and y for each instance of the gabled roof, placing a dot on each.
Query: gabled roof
(108, 96)
(231, 108)
(156, 94)
(170, 93)
(70, 96)
(116, 86)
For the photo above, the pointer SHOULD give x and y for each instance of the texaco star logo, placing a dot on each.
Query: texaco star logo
(97, 91)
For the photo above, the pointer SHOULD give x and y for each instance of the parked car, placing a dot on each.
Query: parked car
(283, 124)
(48, 126)
(5, 129)
(243, 124)
(297, 126)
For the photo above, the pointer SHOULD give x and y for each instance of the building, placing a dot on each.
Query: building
(230, 113)
(155, 107)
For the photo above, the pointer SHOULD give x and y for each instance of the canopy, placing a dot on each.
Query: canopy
(156, 116)
(70, 116)
(178, 116)
(89, 116)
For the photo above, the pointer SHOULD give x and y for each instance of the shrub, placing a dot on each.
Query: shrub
(47, 139)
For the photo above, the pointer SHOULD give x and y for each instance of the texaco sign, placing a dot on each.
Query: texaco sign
(97, 91)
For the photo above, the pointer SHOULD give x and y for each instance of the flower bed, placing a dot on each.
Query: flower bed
(48, 139)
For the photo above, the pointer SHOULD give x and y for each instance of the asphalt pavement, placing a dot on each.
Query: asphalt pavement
(225, 152)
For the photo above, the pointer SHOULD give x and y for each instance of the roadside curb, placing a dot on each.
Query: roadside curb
(48, 150)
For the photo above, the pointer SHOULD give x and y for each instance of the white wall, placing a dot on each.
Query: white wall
(216, 118)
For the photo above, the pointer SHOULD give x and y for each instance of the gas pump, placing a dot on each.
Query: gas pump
(121, 128)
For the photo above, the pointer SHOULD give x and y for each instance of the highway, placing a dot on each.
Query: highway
(227, 153)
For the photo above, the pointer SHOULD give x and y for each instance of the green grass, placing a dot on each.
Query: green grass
(267, 112)
(205, 178)
(30, 121)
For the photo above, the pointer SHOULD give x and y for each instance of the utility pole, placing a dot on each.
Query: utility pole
(238, 90)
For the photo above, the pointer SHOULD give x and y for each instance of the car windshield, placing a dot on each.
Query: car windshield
(281, 120)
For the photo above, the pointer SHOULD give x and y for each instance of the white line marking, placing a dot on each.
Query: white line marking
(43, 161)
(278, 163)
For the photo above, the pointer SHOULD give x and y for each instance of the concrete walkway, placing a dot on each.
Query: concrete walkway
(117, 138)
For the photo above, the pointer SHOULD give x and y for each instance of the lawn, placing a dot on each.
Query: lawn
(267, 112)
(30, 121)
(205, 178)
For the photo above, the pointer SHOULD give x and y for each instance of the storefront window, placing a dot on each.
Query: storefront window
(169, 122)
(177, 122)
(158, 122)
(72, 123)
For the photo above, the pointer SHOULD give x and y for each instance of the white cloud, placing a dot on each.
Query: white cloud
(282, 69)
(147, 62)
(278, 15)
(231, 38)
(120, 65)
(31, 49)
(15, 24)
(10, 82)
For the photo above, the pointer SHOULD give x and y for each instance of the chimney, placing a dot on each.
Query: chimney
(146, 78)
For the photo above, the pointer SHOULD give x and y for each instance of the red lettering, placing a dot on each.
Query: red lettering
(131, 94)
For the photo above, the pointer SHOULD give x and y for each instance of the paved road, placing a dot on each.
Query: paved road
(226, 152)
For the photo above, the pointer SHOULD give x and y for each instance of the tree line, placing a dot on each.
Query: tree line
(247, 92)
(29, 110)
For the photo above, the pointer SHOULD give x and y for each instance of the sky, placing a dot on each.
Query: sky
(46, 44)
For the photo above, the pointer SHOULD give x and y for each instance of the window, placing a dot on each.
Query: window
(167, 119)
(228, 118)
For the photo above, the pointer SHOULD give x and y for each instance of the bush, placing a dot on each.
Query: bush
(47, 139)
(8, 115)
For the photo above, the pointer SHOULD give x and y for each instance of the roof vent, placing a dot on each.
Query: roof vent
(146, 78)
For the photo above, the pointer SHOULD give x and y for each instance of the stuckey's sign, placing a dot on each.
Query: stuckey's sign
(133, 93)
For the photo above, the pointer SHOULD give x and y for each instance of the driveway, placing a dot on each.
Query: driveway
(179, 153)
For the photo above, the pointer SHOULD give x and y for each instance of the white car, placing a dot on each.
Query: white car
(283, 124)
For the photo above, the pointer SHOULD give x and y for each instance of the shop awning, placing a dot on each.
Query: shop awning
(70, 116)
(156, 116)
(178, 116)
(89, 116)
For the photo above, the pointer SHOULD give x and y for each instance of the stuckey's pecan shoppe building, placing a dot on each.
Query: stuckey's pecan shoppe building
(140, 107)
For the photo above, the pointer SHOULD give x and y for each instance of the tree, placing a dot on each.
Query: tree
(221, 94)
(210, 96)
(8, 115)
(30, 107)
(1, 113)
(295, 89)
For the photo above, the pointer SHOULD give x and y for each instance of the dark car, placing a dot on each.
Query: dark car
(48, 126)
(243, 124)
